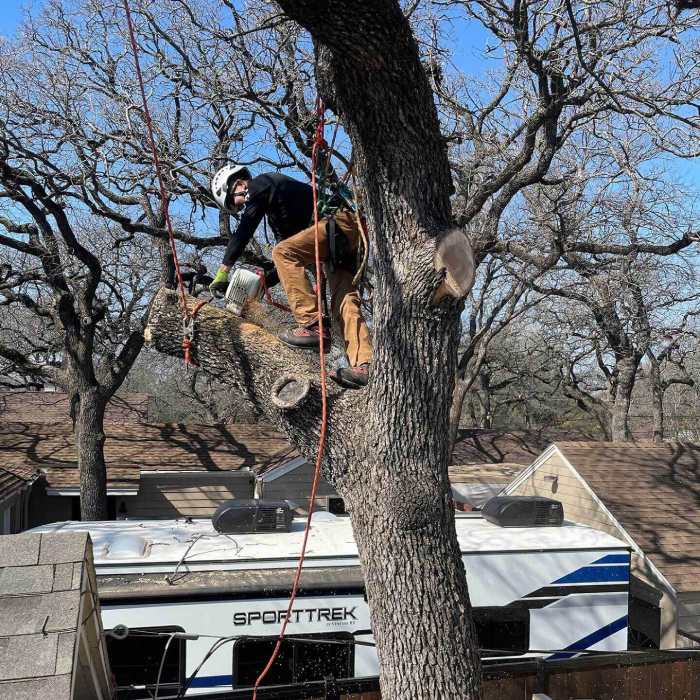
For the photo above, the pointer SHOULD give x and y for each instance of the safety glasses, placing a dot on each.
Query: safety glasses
(234, 189)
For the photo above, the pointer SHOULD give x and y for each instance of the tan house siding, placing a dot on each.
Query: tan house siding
(555, 478)
(295, 486)
(193, 495)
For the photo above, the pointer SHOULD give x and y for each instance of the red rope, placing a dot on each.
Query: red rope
(268, 296)
(318, 143)
(187, 343)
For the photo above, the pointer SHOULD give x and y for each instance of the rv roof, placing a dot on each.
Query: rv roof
(160, 545)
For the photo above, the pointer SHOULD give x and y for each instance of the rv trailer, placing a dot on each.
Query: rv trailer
(170, 589)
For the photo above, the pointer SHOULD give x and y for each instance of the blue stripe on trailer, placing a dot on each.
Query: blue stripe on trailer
(596, 574)
(613, 559)
(591, 639)
(211, 681)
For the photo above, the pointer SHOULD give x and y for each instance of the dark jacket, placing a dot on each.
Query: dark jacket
(287, 203)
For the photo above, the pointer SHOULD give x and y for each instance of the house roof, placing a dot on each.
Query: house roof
(487, 446)
(14, 478)
(279, 459)
(653, 490)
(54, 407)
(133, 448)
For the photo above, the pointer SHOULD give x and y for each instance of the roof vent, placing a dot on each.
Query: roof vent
(252, 515)
(523, 511)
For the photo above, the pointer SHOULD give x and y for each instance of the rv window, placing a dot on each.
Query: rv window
(300, 659)
(502, 629)
(135, 662)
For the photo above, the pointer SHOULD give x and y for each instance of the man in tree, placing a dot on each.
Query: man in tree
(288, 205)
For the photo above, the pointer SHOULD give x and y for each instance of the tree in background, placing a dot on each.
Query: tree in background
(671, 365)
(498, 300)
(73, 315)
(626, 266)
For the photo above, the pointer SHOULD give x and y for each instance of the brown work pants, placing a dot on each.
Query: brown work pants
(293, 255)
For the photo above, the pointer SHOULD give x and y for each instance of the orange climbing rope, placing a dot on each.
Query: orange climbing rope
(187, 319)
(319, 144)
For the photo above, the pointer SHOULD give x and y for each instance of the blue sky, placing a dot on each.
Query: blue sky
(10, 15)
(467, 44)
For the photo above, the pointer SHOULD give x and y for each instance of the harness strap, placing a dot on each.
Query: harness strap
(332, 235)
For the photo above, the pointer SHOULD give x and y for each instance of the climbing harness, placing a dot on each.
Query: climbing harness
(188, 329)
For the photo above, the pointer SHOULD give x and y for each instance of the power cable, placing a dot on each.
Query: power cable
(162, 663)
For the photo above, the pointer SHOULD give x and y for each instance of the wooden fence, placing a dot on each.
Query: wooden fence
(626, 676)
(653, 675)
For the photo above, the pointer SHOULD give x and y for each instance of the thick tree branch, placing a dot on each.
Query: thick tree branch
(242, 354)
(22, 364)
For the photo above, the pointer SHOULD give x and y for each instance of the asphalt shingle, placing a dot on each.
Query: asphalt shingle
(653, 490)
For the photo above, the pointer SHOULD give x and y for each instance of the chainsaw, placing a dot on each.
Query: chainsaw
(244, 284)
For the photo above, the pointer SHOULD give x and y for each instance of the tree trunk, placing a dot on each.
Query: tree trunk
(90, 440)
(460, 391)
(485, 395)
(625, 378)
(413, 575)
(394, 472)
(657, 399)
(403, 517)
(387, 456)
(388, 444)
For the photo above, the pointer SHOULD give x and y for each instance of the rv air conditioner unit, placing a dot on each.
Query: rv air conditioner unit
(523, 511)
(252, 515)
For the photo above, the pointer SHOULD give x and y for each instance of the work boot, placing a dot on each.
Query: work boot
(352, 377)
(307, 337)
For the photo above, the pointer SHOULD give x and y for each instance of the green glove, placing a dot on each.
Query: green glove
(220, 284)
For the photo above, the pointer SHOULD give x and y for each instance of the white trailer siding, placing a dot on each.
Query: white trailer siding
(570, 585)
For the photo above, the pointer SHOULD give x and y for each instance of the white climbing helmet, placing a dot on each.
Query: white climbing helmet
(219, 183)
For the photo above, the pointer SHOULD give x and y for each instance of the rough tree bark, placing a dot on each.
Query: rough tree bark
(89, 440)
(625, 376)
(388, 445)
(657, 398)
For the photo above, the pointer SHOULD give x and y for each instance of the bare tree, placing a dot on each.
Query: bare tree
(633, 275)
(499, 297)
(90, 325)
(667, 368)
